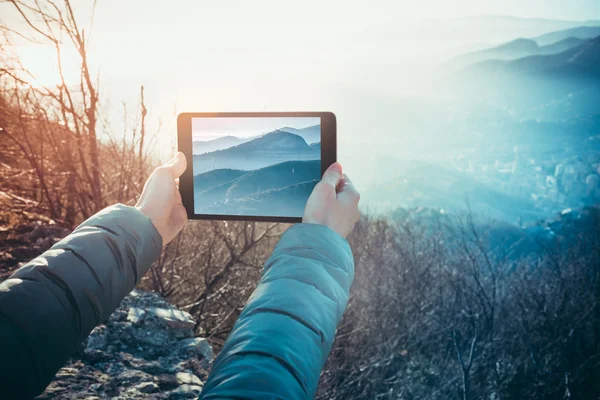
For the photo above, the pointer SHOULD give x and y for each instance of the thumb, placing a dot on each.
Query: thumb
(177, 165)
(333, 175)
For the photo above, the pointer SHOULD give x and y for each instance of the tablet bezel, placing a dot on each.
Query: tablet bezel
(184, 143)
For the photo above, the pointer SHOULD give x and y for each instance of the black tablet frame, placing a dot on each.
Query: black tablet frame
(184, 143)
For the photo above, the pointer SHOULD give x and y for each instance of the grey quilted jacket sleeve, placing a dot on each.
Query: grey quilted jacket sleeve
(51, 304)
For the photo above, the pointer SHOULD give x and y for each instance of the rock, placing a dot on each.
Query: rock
(130, 376)
(187, 391)
(196, 346)
(146, 350)
(174, 318)
(187, 378)
(147, 387)
(167, 381)
(135, 315)
(97, 338)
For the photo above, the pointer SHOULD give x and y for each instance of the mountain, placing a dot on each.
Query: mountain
(288, 201)
(513, 50)
(311, 134)
(508, 51)
(551, 87)
(272, 148)
(579, 63)
(580, 32)
(252, 183)
(214, 178)
(200, 147)
(483, 29)
(562, 45)
(275, 140)
(275, 176)
(583, 60)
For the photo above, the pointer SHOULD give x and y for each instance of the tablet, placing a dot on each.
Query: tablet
(253, 166)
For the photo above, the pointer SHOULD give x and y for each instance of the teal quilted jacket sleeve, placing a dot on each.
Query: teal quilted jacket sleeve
(283, 336)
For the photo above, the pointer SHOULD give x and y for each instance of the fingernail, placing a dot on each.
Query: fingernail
(172, 160)
(337, 167)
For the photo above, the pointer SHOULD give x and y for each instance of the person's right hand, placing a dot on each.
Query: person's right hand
(161, 201)
(333, 202)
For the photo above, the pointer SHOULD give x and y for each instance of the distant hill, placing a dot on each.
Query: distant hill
(508, 51)
(286, 201)
(275, 176)
(558, 86)
(311, 134)
(273, 148)
(214, 178)
(562, 45)
(275, 140)
(581, 61)
(251, 184)
(200, 147)
(581, 32)
(513, 50)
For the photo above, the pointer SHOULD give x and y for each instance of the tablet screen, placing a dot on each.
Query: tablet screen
(255, 166)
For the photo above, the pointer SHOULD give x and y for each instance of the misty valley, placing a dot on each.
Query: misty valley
(513, 134)
(272, 174)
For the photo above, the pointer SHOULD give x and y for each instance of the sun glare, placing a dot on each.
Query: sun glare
(42, 63)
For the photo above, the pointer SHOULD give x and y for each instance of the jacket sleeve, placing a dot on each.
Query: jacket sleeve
(51, 304)
(283, 336)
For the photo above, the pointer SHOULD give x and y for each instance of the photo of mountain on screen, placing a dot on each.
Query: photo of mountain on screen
(256, 165)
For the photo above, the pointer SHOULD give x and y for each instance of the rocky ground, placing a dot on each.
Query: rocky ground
(146, 350)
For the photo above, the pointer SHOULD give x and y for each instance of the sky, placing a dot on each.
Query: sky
(213, 128)
(270, 55)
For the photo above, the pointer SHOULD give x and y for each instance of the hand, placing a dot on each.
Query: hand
(333, 202)
(161, 201)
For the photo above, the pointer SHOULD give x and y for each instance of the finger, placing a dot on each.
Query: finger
(177, 165)
(347, 192)
(333, 175)
(178, 196)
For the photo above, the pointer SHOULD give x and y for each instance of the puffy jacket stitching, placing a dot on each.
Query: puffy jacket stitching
(269, 280)
(85, 262)
(283, 253)
(286, 249)
(101, 227)
(61, 284)
(290, 315)
(279, 360)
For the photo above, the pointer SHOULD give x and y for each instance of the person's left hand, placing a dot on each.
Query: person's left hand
(161, 201)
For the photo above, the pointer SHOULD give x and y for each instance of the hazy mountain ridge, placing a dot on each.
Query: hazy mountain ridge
(551, 43)
(286, 201)
(201, 147)
(272, 148)
(584, 58)
(275, 176)
(252, 183)
(552, 87)
(310, 134)
(215, 177)
(580, 32)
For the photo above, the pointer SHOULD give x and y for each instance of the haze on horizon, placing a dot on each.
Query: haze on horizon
(213, 128)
